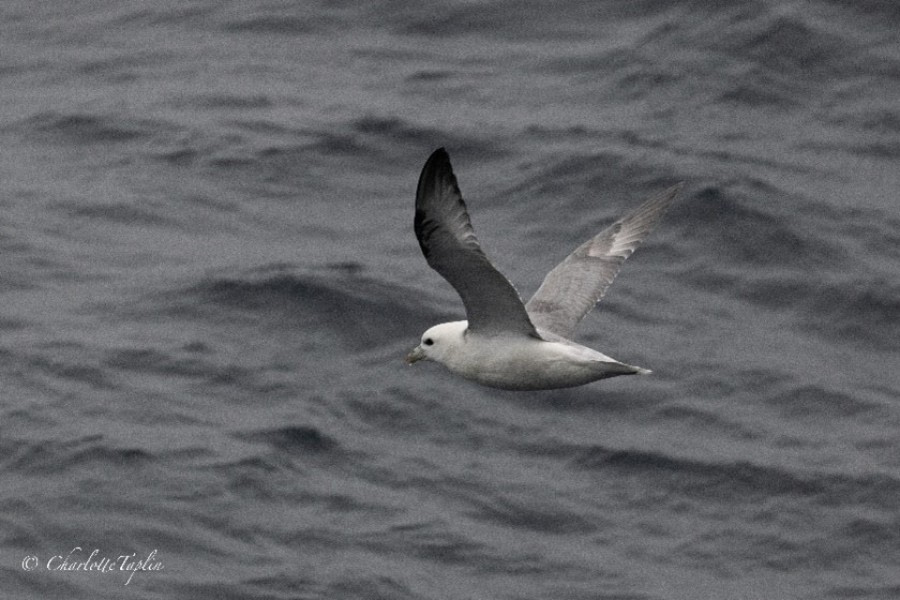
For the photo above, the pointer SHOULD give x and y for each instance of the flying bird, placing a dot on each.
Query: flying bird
(504, 343)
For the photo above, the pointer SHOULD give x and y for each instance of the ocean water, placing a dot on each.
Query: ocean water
(209, 279)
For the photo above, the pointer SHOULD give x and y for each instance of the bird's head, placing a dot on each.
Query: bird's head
(438, 342)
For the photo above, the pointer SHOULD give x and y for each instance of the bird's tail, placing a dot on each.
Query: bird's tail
(612, 368)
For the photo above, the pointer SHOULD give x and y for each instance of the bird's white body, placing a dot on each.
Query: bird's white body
(514, 362)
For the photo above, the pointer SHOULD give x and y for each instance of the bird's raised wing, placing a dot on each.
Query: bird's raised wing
(449, 244)
(575, 285)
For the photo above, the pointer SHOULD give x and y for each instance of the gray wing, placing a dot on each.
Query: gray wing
(575, 285)
(449, 244)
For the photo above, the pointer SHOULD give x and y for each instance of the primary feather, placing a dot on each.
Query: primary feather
(575, 285)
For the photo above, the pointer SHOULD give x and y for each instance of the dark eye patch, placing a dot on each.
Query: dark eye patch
(428, 341)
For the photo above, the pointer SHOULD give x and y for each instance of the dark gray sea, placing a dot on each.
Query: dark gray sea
(209, 280)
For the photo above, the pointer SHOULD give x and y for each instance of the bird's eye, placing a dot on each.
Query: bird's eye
(428, 341)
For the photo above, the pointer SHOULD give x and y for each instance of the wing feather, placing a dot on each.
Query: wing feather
(575, 285)
(449, 244)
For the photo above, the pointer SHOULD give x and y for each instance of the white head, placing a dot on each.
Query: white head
(439, 341)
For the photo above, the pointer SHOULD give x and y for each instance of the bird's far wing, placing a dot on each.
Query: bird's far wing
(449, 244)
(575, 285)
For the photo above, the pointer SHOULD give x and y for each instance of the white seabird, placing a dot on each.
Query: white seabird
(505, 343)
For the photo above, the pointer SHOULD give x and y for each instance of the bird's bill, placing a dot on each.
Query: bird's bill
(416, 355)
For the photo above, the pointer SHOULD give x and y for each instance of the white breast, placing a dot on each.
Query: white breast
(517, 363)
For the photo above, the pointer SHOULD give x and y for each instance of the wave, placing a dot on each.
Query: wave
(361, 311)
(741, 480)
(293, 439)
(286, 159)
(280, 25)
(120, 212)
(814, 402)
(70, 365)
(54, 457)
(84, 128)
(185, 363)
(743, 221)
(864, 311)
(525, 513)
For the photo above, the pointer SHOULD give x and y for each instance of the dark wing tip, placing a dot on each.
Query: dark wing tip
(435, 180)
(439, 159)
(436, 170)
